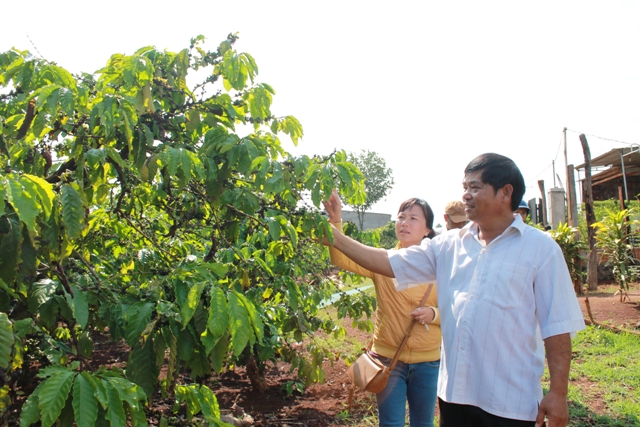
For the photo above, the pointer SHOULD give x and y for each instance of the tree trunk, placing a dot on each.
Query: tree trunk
(255, 376)
(360, 219)
(592, 266)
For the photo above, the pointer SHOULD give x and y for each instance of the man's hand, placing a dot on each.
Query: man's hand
(555, 408)
(554, 404)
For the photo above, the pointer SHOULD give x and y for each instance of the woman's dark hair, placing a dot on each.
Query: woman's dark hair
(498, 171)
(426, 209)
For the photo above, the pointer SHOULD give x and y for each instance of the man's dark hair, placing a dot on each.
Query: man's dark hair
(498, 171)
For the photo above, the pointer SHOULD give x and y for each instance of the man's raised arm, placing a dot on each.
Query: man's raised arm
(373, 259)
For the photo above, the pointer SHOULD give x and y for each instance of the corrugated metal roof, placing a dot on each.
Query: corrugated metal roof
(612, 158)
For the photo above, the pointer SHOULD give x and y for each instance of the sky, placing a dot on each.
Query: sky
(427, 85)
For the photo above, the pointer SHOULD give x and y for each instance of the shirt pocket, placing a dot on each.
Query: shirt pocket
(508, 286)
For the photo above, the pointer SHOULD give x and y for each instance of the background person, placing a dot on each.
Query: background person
(454, 215)
(415, 376)
(523, 210)
(506, 298)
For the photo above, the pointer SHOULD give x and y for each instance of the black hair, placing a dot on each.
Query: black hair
(426, 209)
(498, 171)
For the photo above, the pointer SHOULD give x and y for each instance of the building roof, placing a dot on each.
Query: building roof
(612, 158)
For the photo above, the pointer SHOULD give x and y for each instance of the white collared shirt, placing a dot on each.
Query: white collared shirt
(497, 303)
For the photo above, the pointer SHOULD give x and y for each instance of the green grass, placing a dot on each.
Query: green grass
(350, 346)
(605, 368)
(365, 418)
(604, 384)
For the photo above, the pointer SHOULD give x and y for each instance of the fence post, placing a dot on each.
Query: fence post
(592, 265)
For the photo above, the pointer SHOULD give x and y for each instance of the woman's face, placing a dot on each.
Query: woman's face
(411, 226)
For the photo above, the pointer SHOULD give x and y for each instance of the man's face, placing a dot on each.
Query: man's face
(481, 201)
(523, 213)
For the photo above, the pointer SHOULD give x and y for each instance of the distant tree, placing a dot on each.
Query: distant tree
(378, 180)
(388, 239)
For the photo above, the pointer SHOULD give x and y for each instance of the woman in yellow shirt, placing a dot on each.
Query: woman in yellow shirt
(415, 376)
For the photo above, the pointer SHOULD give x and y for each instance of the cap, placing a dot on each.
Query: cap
(455, 210)
(524, 205)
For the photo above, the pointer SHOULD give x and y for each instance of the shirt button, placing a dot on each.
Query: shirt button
(464, 323)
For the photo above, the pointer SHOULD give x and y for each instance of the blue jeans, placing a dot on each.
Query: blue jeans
(414, 382)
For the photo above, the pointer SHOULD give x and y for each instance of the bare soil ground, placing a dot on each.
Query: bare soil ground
(607, 309)
(325, 404)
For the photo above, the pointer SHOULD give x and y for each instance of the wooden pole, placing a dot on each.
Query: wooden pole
(623, 206)
(592, 266)
(572, 200)
(544, 203)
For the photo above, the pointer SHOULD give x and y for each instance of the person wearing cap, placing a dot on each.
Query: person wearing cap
(506, 302)
(454, 215)
(523, 210)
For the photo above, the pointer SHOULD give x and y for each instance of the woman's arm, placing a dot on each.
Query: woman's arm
(342, 261)
(372, 259)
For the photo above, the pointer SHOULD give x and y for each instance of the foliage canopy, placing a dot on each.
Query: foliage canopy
(130, 202)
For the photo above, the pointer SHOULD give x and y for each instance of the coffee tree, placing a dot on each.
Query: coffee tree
(131, 203)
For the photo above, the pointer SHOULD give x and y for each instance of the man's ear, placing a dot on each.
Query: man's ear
(507, 193)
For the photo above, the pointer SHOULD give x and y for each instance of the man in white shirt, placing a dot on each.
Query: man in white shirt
(505, 296)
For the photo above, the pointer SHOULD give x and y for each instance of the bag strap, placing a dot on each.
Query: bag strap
(408, 333)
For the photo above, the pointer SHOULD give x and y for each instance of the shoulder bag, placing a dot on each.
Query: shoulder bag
(368, 373)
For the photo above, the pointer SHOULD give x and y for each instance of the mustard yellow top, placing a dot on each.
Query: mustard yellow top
(392, 315)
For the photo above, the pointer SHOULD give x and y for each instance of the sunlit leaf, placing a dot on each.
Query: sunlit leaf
(142, 368)
(53, 396)
(81, 307)
(136, 319)
(44, 191)
(85, 404)
(254, 316)
(25, 205)
(6, 341)
(115, 411)
(239, 323)
(72, 211)
(30, 412)
(218, 312)
(193, 298)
